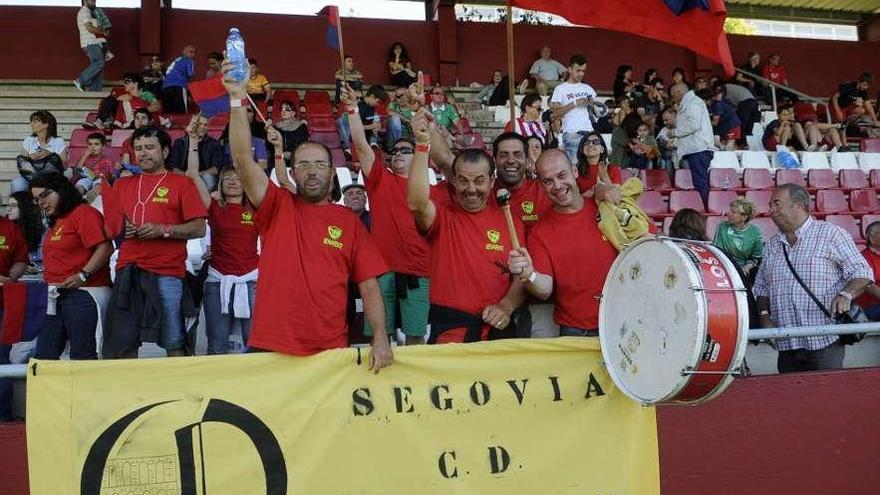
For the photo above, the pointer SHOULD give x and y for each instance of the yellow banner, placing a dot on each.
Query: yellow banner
(507, 417)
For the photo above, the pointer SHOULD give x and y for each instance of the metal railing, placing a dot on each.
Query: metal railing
(773, 86)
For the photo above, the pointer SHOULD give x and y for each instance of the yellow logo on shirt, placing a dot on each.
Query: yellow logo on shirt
(494, 236)
(335, 233)
(56, 236)
(3, 245)
(247, 218)
(161, 195)
(528, 208)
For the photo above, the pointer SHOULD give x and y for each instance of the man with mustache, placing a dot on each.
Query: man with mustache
(311, 249)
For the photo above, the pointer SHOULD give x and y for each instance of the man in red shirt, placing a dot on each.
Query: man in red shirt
(13, 263)
(311, 249)
(870, 300)
(160, 210)
(406, 286)
(775, 72)
(471, 291)
(567, 253)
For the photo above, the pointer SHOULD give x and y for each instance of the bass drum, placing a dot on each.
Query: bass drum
(673, 321)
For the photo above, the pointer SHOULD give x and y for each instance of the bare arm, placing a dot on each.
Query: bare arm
(193, 229)
(192, 171)
(520, 264)
(374, 312)
(763, 304)
(418, 189)
(358, 136)
(17, 270)
(280, 166)
(253, 178)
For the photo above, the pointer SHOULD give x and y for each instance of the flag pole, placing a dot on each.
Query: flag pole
(510, 77)
(341, 47)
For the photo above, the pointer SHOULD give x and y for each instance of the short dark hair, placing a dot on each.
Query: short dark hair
(871, 229)
(144, 111)
(866, 77)
(377, 91)
(135, 78)
(347, 57)
(151, 131)
(69, 195)
(527, 101)
(688, 224)
(577, 59)
(215, 56)
(47, 118)
(509, 136)
(797, 194)
(473, 155)
(408, 140)
(97, 135)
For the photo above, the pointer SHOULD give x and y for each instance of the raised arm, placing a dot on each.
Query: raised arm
(253, 178)
(440, 152)
(365, 152)
(418, 189)
(192, 163)
(273, 135)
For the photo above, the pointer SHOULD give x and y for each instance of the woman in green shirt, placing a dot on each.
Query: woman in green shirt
(740, 239)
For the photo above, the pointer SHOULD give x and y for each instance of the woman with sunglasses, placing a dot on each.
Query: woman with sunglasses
(293, 131)
(593, 163)
(76, 265)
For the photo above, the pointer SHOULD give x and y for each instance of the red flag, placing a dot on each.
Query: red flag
(694, 24)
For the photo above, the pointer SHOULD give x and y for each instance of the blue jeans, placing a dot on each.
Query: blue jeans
(5, 385)
(219, 326)
(93, 75)
(699, 165)
(344, 131)
(173, 336)
(393, 130)
(565, 331)
(75, 320)
(570, 142)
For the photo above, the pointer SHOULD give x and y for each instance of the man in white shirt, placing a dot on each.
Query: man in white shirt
(693, 133)
(570, 102)
(91, 39)
(546, 72)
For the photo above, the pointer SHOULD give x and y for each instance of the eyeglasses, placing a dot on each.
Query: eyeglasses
(286, 109)
(593, 142)
(43, 195)
(406, 150)
(319, 165)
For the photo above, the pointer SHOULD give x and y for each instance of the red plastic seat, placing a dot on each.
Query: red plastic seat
(874, 178)
(80, 137)
(120, 136)
(329, 139)
(684, 180)
(653, 205)
(477, 142)
(465, 125)
(831, 201)
(848, 222)
(864, 201)
(852, 178)
(337, 157)
(867, 220)
(766, 226)
(822, 178)
(321, 123)
(757, 178)
(712, 223)
(723, 178)
(656, 179)
(74, 153)
(719, 201)
(761, 199)
(790, 176)
(318, 103)
(114, 154)
(871, 145)
(176, 134)
(686, 199)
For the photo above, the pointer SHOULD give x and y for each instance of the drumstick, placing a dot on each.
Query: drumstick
(502, 196)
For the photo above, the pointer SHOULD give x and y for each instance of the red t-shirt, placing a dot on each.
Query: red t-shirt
(233, 239)
(873, 260)
(528, 203)
(101, 166)
(393, 225)
(70, 243)
(167, 199)
(587, 181)
(136, 104)
(310, 253)
(13, 248)
(571, 249)
(775, 73)
(128, 149)
(464, 250)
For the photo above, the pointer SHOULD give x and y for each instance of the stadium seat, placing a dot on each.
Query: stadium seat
(724, 159)
(724, 178)
(761, 199)
(848, 222)
(329, 139)
(477, 141)
(831, 201)
(343, 175)
(853, 179)
(755, 159)
(80, 137)
(667, 222)
(766, 226)
(719, 201)
(790, 176)
(844, 161)
(867, 220)
(465, 125)
(686, 199)
(712, 223)
(863, 201)
(656, 179)
(338, 157)
(816, 159)
(321, 123)
(869, 161)
(318, 103)
(871, 145)
(757, 178)
(684, 180)
(74, 153)
(114, 154)
(768, 116)
(653, 205)
(176, 134)
(774, 161)
(754, 141)
(820, 178)
(120, 136)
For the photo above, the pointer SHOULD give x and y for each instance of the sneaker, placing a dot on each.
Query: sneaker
(108, 56)
(76, 83)
(90, 125)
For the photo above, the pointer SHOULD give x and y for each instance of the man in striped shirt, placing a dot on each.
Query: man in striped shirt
(825, 257)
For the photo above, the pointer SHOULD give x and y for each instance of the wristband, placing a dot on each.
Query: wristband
(530, 278)
(423, 148)
(235, 103)
(352, 111)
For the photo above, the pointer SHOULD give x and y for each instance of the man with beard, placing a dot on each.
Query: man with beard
(555, 260)
(471, 292)
(311, 249)
(406, 286)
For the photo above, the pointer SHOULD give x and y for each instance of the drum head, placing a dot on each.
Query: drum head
(651, 323)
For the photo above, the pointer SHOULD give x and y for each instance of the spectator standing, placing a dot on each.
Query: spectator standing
(546, 72)
(826, 259)
(311, 249)
(870, 300)
(258, 86)
(374, 96)
(570, 101)
(350, 75)
(160, 211)
(693, 133)
(154, 76)
(725, 121)
(623, 82)
(91, 40)
(739, 238)
(752, 67)
(76, 262)
(746, 106)
(177, 78)
(13, 264)
(529, 123)
(212, 156)
(214, 61)
(24, 212)
(554, 262)
(399, 65)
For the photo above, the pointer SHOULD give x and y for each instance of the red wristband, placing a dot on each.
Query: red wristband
(423, 148)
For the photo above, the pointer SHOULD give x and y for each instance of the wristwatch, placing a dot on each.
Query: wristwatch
(85, 275)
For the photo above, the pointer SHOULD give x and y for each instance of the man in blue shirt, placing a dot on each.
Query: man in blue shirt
(176, 78)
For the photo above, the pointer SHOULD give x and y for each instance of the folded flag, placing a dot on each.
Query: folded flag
(24, 311)
(332, 13)
(211, 96)
(694, 24)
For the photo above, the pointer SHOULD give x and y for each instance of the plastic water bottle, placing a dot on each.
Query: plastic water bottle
(235, 54)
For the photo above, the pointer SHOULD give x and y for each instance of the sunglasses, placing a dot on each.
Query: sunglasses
(406, 150)
(593, 142)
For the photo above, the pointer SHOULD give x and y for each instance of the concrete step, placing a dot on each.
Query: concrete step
(24, 129)
(38, 92)
(62, 116)
(50, 104)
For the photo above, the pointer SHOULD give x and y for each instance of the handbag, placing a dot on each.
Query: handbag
(854, 315)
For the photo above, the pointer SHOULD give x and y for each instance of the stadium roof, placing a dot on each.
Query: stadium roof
(833, 11)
